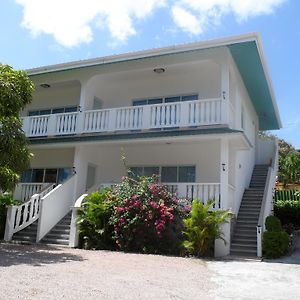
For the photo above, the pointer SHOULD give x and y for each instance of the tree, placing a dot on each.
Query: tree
(289, 160)
(15, 93)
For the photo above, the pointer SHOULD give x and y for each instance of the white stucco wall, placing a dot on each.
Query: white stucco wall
(120, 89)
(52, 158)
(55, 96)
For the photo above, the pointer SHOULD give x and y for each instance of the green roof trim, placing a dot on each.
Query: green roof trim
(129, 136)
(249, 64)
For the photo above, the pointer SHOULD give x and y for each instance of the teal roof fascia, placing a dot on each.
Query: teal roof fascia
(248, 61)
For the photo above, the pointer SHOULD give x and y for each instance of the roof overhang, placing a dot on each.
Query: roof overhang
(246, 51)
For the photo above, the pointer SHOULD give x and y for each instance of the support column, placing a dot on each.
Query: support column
(222, 249)
(80, 166)
(225, 88)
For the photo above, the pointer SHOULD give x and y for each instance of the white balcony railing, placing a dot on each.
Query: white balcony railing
(157, 116)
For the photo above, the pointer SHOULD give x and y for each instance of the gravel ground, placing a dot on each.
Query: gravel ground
(45, 272)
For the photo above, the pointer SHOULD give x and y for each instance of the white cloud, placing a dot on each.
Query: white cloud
(209, 12)
(72, 22)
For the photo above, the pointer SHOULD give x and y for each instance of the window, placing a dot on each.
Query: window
(167, 173)
(56, 175)
(56, 110)
(191, 97)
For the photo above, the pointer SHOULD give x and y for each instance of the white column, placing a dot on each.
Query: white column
(80, 165)
(222, 249)
(83, 95)
(225, 88)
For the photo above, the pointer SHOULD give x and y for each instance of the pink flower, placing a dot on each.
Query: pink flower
(154, 205)
(122, 221)
(120, 210)
(134, 197)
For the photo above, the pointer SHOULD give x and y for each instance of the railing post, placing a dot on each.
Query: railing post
(259, 240)
(112, 119)
(10, 220)
(181, 190)
(80, 122)
(184, 114)
(52, 125)
(146, 117)
(26, 125)
(74, 234)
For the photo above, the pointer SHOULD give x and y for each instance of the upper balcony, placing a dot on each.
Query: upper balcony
(185, 114)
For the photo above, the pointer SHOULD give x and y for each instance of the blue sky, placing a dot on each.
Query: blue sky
(42, 32)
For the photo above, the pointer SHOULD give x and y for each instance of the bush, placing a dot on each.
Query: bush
(202, 227)
(136, 215)
(288, 211)
(275, 243)
(273, 224)
(5, 199)
(93, 219)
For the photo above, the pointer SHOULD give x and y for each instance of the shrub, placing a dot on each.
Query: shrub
(202, 227)
(146, 217)
(5, 199)
(275, 243)
(93, 219)
(273, 224)
(136, 215)
(288, 211)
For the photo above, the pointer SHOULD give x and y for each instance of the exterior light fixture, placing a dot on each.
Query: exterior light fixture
(223, 166)
(45, 85)
(159, 70)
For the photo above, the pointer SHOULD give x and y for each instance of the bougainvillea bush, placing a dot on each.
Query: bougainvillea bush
(143, 217)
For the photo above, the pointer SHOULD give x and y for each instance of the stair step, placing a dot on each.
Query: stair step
(244, 240)
(57, 235)
(243, 253)
(55, 241)
(240, 246)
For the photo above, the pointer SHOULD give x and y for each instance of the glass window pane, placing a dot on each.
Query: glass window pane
(139, 102)
(172, 99)
(26, 176)
(71, 109)
(33, 113)
(149, 171)
(169, 174)
(155, 101)
(64, 174)
(187, 174)
(189, 98)
(136, 172)
(37, 175)
(45, 112)
(50, 175)
(58, 110)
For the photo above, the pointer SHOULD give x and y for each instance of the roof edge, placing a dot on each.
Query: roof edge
(145, 53)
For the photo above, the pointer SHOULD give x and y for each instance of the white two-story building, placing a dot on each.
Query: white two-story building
(189, 113)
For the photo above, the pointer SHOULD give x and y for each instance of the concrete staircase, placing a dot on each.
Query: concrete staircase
(244, 238)
(27, 235)
(60, 233)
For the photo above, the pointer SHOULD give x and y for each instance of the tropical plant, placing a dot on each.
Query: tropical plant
(93, 221)
(15, 92)
(202, 228)
(5, 199)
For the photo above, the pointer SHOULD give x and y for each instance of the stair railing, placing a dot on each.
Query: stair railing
(55, 205)
(20, 216)
(267, 202)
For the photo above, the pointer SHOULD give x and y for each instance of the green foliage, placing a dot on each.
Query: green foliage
(288, 211)
(275, 240)
(15, 93)
(5, 199)
(202, 227)
(136, 216)
(93, 221)
(275, 243)
(273, 224)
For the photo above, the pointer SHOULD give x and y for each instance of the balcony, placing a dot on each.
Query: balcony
(158, 116)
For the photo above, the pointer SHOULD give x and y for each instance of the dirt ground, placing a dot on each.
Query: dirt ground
(45, 272)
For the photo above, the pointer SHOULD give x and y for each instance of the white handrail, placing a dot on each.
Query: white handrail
(144, 117)
(55, 205)
(20, 216)
(266, 206)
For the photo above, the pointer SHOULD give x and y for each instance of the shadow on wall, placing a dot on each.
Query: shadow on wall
(34, 255)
